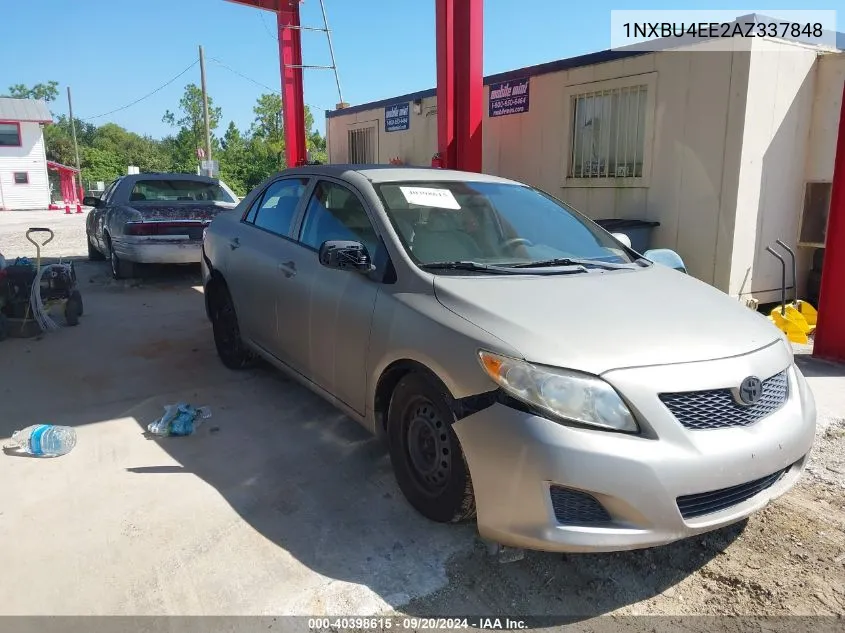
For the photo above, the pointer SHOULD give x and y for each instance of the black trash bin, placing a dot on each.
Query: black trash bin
(639, 231)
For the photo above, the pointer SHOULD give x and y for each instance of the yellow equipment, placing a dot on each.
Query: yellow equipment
(797, 319)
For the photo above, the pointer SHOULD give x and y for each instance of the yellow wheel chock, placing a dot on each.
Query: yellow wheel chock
(796, 319)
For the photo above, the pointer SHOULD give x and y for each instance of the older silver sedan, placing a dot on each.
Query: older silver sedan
(153, 219)
(518, 358)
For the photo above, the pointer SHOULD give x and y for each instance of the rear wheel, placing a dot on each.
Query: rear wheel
(430, 466)
(227, 334)
(120, 269)
(73, 308)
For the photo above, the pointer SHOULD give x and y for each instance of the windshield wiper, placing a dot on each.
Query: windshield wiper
(570, 261)
(468, 265)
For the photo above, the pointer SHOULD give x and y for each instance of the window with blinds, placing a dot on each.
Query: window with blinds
(362, 146)
(608, 133)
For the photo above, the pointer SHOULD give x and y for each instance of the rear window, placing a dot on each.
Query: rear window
(179, 190)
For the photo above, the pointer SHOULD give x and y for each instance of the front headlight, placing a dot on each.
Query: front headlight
(577, 397)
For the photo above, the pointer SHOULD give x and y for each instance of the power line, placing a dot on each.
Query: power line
(146, 96)
(256, 82)
(267, 28)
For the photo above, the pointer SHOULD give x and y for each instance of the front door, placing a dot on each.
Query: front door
(335, 331)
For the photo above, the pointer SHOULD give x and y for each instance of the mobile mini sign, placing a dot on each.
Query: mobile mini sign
(397, 117)
(509, 97)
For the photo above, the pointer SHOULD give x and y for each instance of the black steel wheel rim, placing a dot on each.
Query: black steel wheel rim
(428, 445)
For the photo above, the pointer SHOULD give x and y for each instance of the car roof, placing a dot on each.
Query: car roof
(395, 173)
(172, 176)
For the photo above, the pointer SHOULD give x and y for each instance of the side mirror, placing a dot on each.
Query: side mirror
(623, 238)
(90, 201)
(344, 255)
(666, 257)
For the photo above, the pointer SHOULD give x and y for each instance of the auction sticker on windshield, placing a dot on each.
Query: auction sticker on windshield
(430, 197)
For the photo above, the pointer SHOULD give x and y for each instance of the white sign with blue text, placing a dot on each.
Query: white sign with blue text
(397, 117)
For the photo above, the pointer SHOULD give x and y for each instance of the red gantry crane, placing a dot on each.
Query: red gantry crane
(460, 87)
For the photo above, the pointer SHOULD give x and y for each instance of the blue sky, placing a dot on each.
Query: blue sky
(112, 52)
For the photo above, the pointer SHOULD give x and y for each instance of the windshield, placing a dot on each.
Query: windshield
(179, 190)
(492, 223)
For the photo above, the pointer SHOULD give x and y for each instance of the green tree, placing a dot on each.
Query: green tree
(190, 123)
(47, 92)
(268, 127)
(234, 160)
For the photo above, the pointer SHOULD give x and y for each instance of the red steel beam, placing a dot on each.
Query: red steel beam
(445, 11)
(829, 341)
(293, 97)
(469, 83)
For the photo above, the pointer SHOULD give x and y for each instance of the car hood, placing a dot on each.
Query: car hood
(180, 211)
(595, 322)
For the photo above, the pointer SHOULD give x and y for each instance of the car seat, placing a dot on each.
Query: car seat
(443, 239)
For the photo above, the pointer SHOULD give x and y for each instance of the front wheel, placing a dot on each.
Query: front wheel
(94, 254)
(430, 466)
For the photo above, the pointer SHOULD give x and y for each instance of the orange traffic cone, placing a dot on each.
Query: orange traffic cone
(67, 208)
(78, 208)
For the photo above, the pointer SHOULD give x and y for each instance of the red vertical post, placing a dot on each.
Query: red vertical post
(829, 341)
(445, 12)
(469, 82)
(293, 98)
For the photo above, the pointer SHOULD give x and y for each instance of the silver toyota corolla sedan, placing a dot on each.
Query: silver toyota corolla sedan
(526, 367)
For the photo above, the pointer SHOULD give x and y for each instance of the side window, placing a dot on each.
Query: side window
(253, 209)
(277, 207)
(107, 193)
(335, 213)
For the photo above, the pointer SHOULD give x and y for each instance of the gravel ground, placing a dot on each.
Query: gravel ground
(69, 232)
(786, 560)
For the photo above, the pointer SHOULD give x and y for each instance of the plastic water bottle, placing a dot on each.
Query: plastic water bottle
(44, 440)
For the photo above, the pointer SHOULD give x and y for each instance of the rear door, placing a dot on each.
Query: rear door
(257, 247)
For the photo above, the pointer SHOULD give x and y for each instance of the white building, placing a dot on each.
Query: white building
(23, 162)
(728, 150)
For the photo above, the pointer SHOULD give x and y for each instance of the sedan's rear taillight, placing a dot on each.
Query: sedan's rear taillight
(164, 228)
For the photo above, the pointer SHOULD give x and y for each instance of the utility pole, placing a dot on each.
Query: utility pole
(73, 127)
(205, 111)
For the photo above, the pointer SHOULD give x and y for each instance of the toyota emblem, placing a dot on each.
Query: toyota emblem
(750, 390)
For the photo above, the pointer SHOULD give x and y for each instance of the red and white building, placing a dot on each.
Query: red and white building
(24, 183)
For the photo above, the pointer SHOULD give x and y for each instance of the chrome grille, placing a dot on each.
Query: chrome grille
(717, 408)
(573, 507)
(708, 502)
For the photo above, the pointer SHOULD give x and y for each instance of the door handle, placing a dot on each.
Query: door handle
(235, 243)
(288, 268)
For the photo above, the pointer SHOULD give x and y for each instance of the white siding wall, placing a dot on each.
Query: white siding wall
(777, 127)
(29, 158)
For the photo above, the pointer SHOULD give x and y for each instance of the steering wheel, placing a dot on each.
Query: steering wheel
(518, 241)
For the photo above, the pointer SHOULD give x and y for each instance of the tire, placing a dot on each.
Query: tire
(94, 254)
(4, 327)
(73, 308)
(427, 459)
(120, 269)
(227, 334)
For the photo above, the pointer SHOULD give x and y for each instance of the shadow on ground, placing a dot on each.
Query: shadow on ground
(817, 368)
(308, 479)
